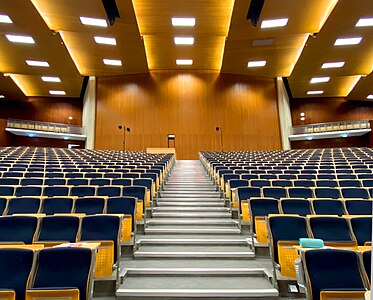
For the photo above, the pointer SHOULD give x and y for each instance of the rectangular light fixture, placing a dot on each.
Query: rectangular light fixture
(257, 63)
(274, 23)
(184, 62)
(2, 96)
(363, 22)
(370, 97)
(319, 79)
(183, 40)
(348, 41)
(93, 21)
(5, 19)
(315, 92)
(20, 39)
(37, 63)
(54, 92)
(105, 40)
(112, 62)
(50, 79)
(331, 65)
(190, 22)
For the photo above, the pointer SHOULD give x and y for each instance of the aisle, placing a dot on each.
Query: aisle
(192, 247)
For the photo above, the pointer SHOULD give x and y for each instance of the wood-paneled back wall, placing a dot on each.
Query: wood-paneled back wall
(191, 106)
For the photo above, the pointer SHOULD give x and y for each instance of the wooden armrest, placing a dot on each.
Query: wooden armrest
(331, 295)
(71, 294)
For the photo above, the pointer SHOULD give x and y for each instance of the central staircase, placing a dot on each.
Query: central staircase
(192, 248)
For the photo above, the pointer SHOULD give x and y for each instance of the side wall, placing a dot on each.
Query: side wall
(191, 106)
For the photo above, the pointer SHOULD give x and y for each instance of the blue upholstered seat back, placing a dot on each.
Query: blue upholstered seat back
(362, 229)
(122, 205)
(56, 205)
(17, 229)
(90, 205)
(23, 205)
(359, 207)
(330, 229)
(328, 207)
(296, 206)
(59, 228)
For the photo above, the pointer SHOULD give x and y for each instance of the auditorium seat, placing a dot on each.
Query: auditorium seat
(28, 191)
(56, 190)
(90, 205)
(327, 192)
(7, 190)
(328, 207)
(23, 205)
(274, 192)
(138, 192)
(58, 229)
(301, 207)
(83, 191)
(362, 229)
(57, 205)
(299, 192)
(18, 229)
(354, 192)
(358, 207)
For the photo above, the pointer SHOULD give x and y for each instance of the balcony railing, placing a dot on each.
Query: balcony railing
(330, 127)
(44, 126)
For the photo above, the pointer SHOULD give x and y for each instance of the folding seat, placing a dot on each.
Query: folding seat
(57, 205)
(281, 183)
(367, 258)
(284, 233)
(224, 187)
(299, 192)
(362, 229)
(13, 174)
(23, 205)
(32, 181)
(109, 191)
(233, 184)
(29, 190)
(87, 170)
(259, 171)
(326, 183)
(365, 176)
(287, 176)
(54, 175)
(303, 183)
(346, 176)
(260, 182)
(56, 190)
(358, 207)
(306, 177)
(127, 207)
(349, 183)
(332, 274)
(138, 192)
(370, 191)
(100, 181)
(9, 181)
(259, 209)
(249, 176)
(122, 182)
(77, 181)
(106, 229)
(155, 182)
(334, 231)
(240, 202)
(327, 192)
(267, 176)
(62, 272)
(368, 183)
(328, 207)
(274, 192)
(355, 193)
(18, 229)
(113, 175)
(131, 175)
(34, 174)
(58, 229)
(326, 176)
(16, 266)
(54, 181)
(90, 205)
(73, 175)
(300, 207)
(94, 175)
(83, 190)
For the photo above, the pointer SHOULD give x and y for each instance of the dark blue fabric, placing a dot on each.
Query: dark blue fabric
(362, 228)
(330, 229)
(131, 175)
(82, 191)
(93, 175)
(234, 183)
(32, 181)
(110, 191)
(112, 175)
(296, 206)
(300, 192)
(17, 229)
(77, 181)
(359, 207)
(281, 183)
(99, 181)
(122, 205)
(249, 176)
(23, 205)
(64, 267)
(152, 176)
(367, 258)
(72, 174)
(15, 266)
(354, 193)
(9, 181)
(227, 177)
(245, 193)
(327, 192)
(135, 191)
(274, 192)
(328, 207)
(6, 190)
(90, 205)
(368, 183)
(262, 207)
(332, 270)
(28, 191)
(304, 183)
(260, 182)
(121, 181)
(101, 228)
(51, 191)
(286, 228)
(59, 228)
(56, 205)
(326, 183)
(54, 175)
(349, 183)
(3, 202)
(143, 182)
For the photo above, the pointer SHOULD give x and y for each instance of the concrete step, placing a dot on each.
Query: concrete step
(187, 222)
(191, 215)
(178, 209)
(189, 241)
(180, 199)
(191, 230)
(190, 204)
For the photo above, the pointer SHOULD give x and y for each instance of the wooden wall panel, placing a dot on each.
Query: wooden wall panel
(321, 110)
(189, 105)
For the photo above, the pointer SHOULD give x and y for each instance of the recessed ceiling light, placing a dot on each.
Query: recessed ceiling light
(5, 19)
(184, 62)
(263, 42)
(50, 79)
(257, 63)
(315, 92)
(20, 39)
(319, 79)
(93, 21)
(364, 22)
(333, 65)
(184, 40)
(348, 41)
(274, 23)
(370, 97)
(105, 40)
(37, 63)
(183, 22)
(54, 92)
(2, 96)
(112, 62)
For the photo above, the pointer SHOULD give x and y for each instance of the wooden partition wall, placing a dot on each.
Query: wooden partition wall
(191, 106)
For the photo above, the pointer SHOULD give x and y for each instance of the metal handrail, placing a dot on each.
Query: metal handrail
(331, 126)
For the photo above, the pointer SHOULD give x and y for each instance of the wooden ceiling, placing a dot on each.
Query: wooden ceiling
(224, 41)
